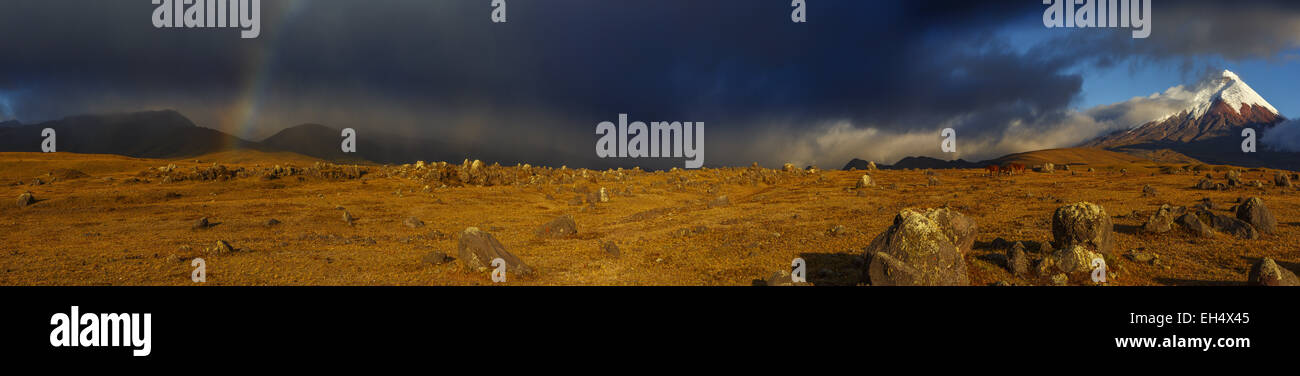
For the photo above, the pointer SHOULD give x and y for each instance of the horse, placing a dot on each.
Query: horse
(993, 170)
(1014, 168)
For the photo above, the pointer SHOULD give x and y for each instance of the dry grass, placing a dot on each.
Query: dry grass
(93, 231)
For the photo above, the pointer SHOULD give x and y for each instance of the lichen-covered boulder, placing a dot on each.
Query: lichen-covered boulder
(915, 251)
(959, 228)
(1083, 223)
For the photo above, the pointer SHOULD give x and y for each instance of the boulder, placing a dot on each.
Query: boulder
(1163, 219)
(477, 248)
(610, 248)
(915, 251)
(1231, 226)
(560, 227)
(1256, 214)
(200, 224)
(1267, 273)
(1074, 259)
(1017, 261)
(720, 201)
(1193, 225)
(959, 228)
(864, 181)
(26, 199)
(1083, 223)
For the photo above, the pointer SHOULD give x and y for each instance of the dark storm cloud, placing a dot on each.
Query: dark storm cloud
(884, 75)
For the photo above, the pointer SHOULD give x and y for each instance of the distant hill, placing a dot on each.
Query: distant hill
(913, 163)
(152, 134)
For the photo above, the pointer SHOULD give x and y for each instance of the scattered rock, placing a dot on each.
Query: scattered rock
(1148, 191)
(1282, 180)
(1231, 226)
(782, 278)
(837, 231)
(720, 201)
(1083, 223)
(1256, 214)
(436, 258)
(610, 248)
(1267, 273)
(1162, 220)
(221, 247)
(1017, 261)
(26, 199)
(1074, 259)
(476, 250)
(560, 227)
(1193, 225)
(201, 224)
(1142, 257)
(915, 251)
(413, 222)
(865, 181)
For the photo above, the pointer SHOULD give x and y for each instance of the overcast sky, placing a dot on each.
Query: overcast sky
(869, 79)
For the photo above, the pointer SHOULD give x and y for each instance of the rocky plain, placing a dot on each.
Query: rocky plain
(284, 219)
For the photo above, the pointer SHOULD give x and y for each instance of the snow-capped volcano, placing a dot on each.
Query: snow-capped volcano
(1216, 107)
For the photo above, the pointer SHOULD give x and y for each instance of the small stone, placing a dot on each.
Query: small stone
(436, 258)
(721, 201)
(271, 222)
(413, 222)
(610, 248)
(201, 224)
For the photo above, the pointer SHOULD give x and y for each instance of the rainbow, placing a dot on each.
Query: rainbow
(240, 119)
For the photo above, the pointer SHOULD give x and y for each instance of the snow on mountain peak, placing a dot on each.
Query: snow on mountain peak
(1231, 90)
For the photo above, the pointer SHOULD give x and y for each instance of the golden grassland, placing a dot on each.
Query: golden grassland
(110, 229)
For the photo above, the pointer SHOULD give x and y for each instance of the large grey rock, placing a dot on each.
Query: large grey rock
(1230, 225)
(1256, 214)
(477, 248)
(1083, 223)
(1266, 272)
(915, 251)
